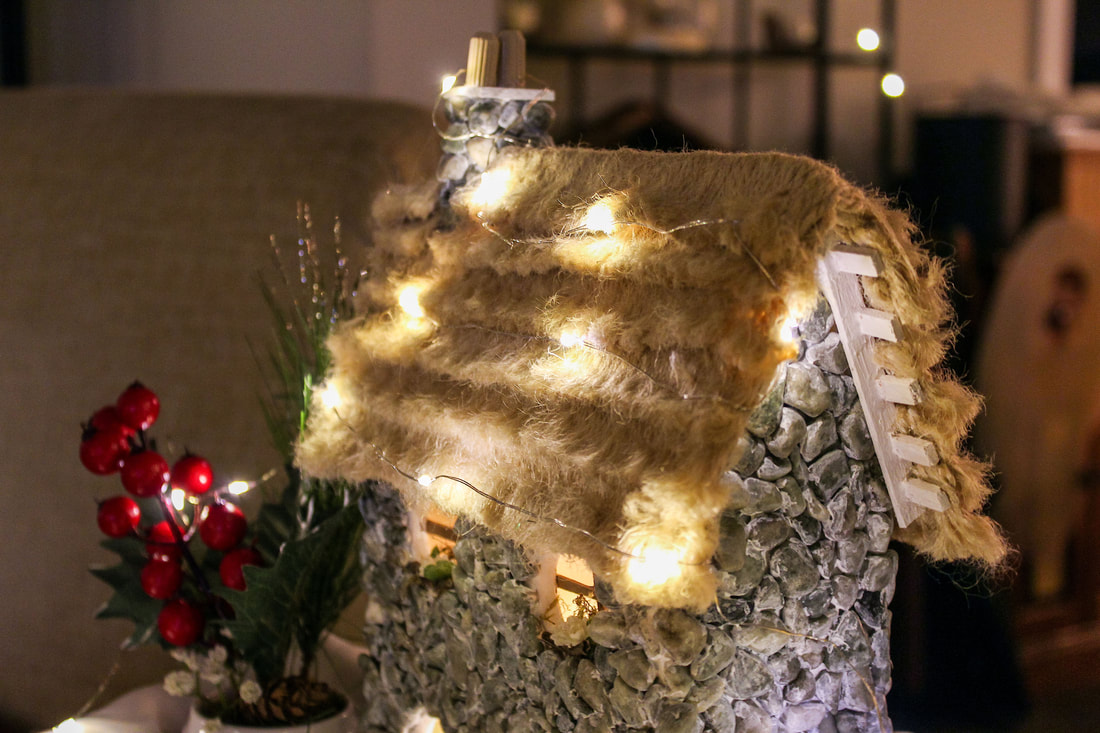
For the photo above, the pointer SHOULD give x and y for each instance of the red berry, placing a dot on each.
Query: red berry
(144, 473)
(108, 417)
(118, 516)
(193, 474)
(102, 451)
(223, 526)
(161, 542)
(138, 406)
(180, 623)
(161, 578)
(231, 569)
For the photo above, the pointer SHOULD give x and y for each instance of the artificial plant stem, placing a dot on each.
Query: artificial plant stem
(307, 658)
(169, 514)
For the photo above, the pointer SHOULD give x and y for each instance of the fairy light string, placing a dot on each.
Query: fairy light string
(570, 340)
(426, 480)
(599, 205)
(581, 231)
(175, 501)
(408, 301)
(605, 215)
(95, 697)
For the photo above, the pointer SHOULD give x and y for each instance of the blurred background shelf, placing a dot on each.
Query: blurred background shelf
(780, 46)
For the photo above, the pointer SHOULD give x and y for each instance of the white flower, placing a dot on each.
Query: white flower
(186, 656)
(179, 683)
(213, 672)
(218, 654)
(213, 675)
(570, 632)
(251, 692)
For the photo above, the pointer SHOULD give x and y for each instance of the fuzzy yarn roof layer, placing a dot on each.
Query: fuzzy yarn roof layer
(597, 376)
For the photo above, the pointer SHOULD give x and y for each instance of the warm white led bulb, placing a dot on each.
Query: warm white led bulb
(448, 83)
(893, 85)
(867, 39)
(424, 480)
(179, 499)
(492, 187)
(600, 218)
(569, 339)
(330, 397)
(409, 300)
(238, 487)
(788, 331)
(654, 566)
(419, 721)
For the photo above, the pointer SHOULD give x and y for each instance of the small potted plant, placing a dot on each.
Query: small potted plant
(243, 602)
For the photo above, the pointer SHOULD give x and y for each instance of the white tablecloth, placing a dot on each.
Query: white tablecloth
(144, 710)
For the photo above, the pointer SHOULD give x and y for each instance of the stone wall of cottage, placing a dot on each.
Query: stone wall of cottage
(797, 640)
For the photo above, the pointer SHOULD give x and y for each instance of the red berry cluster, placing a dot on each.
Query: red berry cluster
(114, 440)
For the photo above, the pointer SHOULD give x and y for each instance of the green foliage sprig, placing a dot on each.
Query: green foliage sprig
(270, 632)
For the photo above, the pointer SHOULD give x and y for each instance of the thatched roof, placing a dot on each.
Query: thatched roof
(583, 335)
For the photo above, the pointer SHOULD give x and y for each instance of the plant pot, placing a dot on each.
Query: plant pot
(344, 722)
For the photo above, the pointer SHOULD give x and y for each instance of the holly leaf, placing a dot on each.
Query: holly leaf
(136, 606)
(277, 521)
(129, 600)
(295, 600)
(129, 549)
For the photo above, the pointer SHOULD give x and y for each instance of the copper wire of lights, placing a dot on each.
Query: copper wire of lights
(583, 342)
(575, 230)
(607, 225)
(426, 480)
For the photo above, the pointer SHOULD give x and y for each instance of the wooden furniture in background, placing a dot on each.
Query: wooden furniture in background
(1079, 152)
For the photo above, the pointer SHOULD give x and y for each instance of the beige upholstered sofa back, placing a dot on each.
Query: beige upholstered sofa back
(132, 228)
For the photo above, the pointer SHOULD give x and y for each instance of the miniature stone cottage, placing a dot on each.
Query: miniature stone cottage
(627, 357)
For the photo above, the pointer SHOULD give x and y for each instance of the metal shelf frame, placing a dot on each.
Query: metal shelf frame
(741, 58)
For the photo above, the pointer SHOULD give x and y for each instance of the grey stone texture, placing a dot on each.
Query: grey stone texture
(797, 640)
(474, 129)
